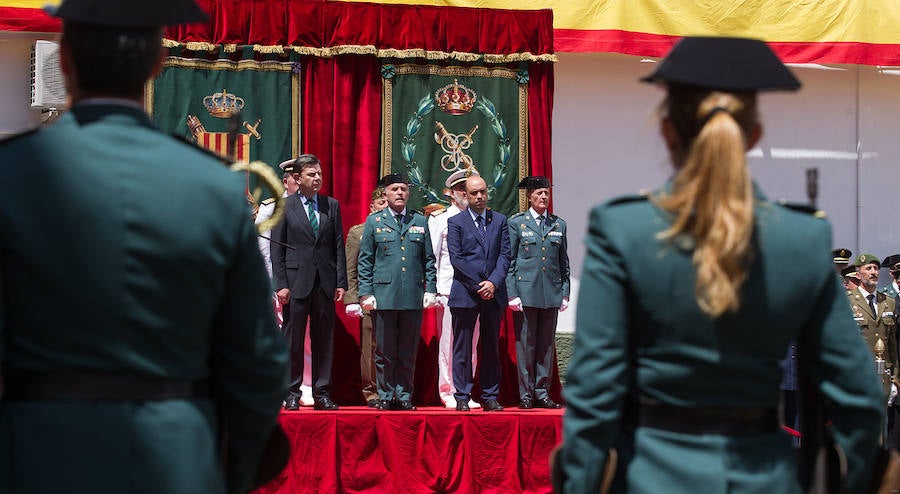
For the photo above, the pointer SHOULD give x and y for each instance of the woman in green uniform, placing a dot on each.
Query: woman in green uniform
(685, 388)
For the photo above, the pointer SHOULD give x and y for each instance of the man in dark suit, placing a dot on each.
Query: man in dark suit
(478, 243)
(161, 348)
(310, 278)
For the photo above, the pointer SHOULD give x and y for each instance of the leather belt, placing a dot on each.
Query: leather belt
(82, 385)
(726, 421)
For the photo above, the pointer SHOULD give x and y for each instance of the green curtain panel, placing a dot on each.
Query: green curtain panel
(438, 120)
(194, 98)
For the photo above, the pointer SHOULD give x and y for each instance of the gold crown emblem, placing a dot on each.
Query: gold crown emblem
(223, 105)
(455, 98)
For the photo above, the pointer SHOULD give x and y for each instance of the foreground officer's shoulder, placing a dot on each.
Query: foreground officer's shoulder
(641, 197)
(18, 137)
(803, 208)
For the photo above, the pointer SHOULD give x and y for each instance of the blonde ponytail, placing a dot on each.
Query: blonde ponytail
(712, 194)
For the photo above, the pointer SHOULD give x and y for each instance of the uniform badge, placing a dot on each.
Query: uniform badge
(378, 230)
(416, 229)
(857, 313)
(378, 218)
(555, 234)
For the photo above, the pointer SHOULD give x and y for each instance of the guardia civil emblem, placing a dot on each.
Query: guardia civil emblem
(439, 120)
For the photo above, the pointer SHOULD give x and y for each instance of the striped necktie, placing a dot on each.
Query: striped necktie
(313, 221)
(479, 221)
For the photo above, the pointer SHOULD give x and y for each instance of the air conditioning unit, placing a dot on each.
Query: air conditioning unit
(48, 89)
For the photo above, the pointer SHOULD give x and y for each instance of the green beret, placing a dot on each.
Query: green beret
(863, 259)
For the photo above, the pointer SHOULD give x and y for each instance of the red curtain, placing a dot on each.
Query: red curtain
(322, 24)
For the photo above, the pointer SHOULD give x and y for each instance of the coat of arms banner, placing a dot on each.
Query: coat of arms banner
(438, 120)
(196, 99)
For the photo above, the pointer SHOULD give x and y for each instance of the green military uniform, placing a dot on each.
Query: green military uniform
(366, 331)
(539, 276)
(396, 266)
(138, 262)
(633, 347)
(874, 327)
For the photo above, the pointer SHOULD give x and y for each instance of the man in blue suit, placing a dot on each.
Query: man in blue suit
(478, 243)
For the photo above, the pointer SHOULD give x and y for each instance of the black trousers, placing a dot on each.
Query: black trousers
(535, 345)
(396, 345)
(318, 308)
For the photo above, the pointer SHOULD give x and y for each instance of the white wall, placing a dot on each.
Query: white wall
(845, 121)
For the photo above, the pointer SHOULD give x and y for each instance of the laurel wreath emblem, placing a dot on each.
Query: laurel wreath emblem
(414, 125)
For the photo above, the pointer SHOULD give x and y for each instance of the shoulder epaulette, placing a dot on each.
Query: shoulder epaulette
(268, 201)
(640, 196)
(438, 212)
(803, 208)
(417, 211)
(20, 135)
(516, 215)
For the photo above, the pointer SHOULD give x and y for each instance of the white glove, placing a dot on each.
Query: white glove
(369, 303)
(442, 300)
(429, 300)
(353, 310)
(893, 397)
(515, 304)
(564, 305)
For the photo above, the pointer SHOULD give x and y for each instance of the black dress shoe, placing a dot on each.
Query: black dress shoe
(526, 403)
(325, 403)
(492, 406)
(383, 405)
(373, 403)
(405, 406)
(462, 406)
(546, 403)
(292, 403)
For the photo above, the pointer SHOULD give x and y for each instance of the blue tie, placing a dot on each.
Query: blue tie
(480, 223)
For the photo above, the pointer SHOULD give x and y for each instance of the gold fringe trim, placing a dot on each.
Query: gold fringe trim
(370, 50)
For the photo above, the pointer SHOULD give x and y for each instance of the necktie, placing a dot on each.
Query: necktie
(480, 222)
(313, 221)
(872, 304)
(542, 222)
(399, 218)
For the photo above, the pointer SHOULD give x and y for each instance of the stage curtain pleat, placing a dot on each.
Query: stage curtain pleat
(416, 452)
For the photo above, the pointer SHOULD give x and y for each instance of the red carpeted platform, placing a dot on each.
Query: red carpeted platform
(431, 450)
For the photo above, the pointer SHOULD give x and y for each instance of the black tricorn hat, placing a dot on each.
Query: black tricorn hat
(890, 260)
(393, 178)
(535, 183)
(725, 64)
(129, 13)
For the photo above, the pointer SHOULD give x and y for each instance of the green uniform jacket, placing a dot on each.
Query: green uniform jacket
(539, 271)
(354, 235)
(137, 256)
(629, 342)
(396, 262)
(874, 328)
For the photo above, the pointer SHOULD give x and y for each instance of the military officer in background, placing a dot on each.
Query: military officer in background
(538, 289)
(892, 263)
(161, 351)
(353, 309)
(841, 258)
(437, 227)
(850, 278)
(873, 311)
(267, 207)
(396, 281)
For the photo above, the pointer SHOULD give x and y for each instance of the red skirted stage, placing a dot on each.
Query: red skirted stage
(358, 449)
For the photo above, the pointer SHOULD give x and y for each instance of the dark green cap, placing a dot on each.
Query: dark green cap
(863, 259)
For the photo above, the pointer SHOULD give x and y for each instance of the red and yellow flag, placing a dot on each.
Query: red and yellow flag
(820, 31)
